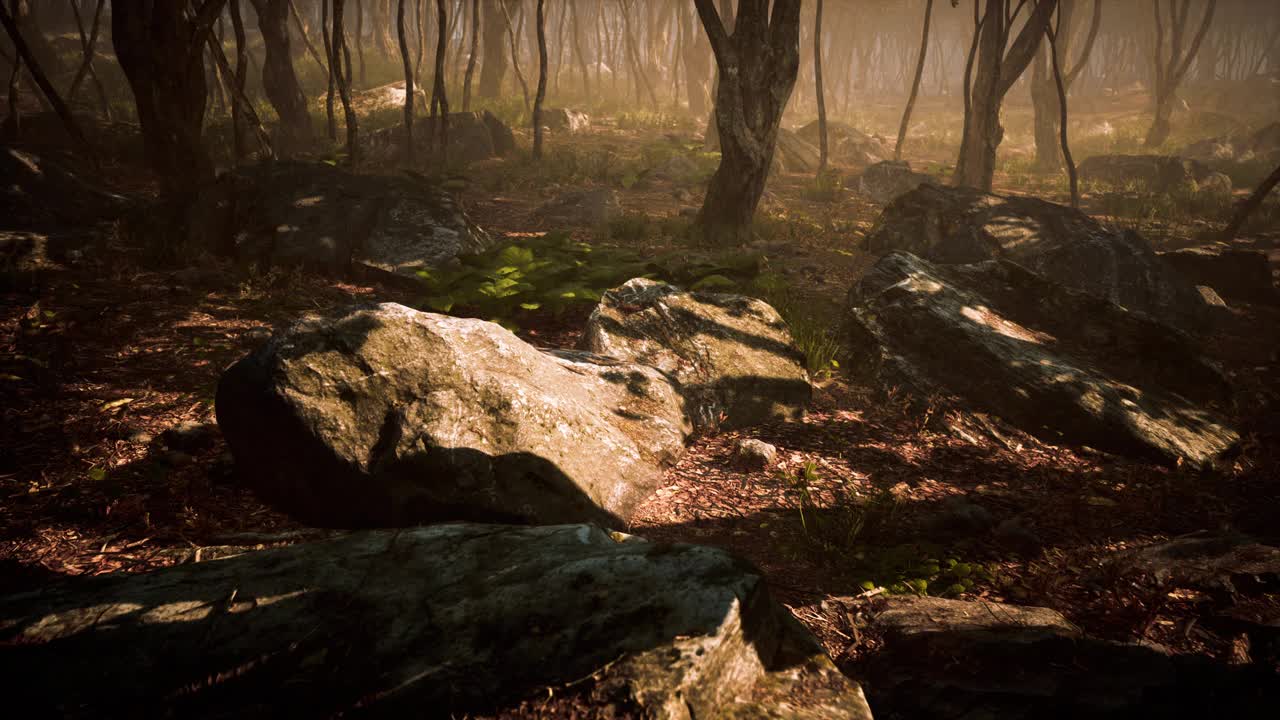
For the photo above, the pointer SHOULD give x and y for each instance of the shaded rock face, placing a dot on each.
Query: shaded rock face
(566, 120)
(1061, 364)
(962, 225)
(473, 136)
(36, 190)
(317, 216)
(847, 144)
(1158, 173)
(885, 181)
(731, 356)
(949, 658)
(383, 416)
(455, 618)
(1234, 273)
(795, 155)
(582, 207)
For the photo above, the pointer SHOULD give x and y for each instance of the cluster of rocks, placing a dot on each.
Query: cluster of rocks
(1067, 329)
(327, 219)
(798, 150)
(473, 137)
(1221, 152)
(1157, 174)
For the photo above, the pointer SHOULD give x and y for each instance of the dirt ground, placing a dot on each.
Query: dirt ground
(99, 357)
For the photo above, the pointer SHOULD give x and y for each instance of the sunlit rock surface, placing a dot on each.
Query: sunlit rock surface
(382, 415)
(962, 225)
(325, 218)
(731, 356)
(429, 621)
(1059, 363)
(883, 182)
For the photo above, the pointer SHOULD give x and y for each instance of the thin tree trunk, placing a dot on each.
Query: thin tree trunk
(1249, 206)
(577, 49)
(515, 55)
(279, 80)
(364, 77)
(23, 51)
(246, 107)
(915, 84)
(421, 20)
(817, 83)
(330, 53)
(439, 100)
(306, 39)
(240, 78)
(12, 128)
(408, 85)
(642, 78)
(542, 81)
(339, 44)
(1062, 121)
(471, 59)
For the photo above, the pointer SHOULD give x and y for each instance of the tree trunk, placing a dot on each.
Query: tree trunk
(817, 84)
(577, 49)
(339, 44)
(997, 71)
(89, 46)
(1250, 205)
(758, 67)
(408, 84)
(334, 65)
(915, 84)
(306, 39)
(239, 79)
(1061, 86)
(1168, 77)
(161, 51)
(493, 68)
(515, 55)
(278, 78)
(471, 59)
(439, 100)
(1045, 110)
(542, 82)
(364, 76)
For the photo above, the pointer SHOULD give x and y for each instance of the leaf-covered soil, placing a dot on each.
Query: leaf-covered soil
(100, 357)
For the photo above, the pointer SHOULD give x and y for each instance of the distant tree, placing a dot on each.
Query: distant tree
(278, 77)
(334, 66)
(493, 66)
(1044, 86)
(439, 98)
(515, 54)
(408, 84)
(999, 65)
(89, 47)
(542, 81)
(471, 58)
(1169, 71)
(758, 65)
(578, 55)
(915, 85)
(817, 81)
(339, 44)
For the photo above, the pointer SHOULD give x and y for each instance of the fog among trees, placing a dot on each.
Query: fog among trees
(640, 358)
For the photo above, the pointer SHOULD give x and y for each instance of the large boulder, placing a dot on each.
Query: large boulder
(962, 225)
(731, 356)
(566, 120)
(37, 190)
(1156, 173)
(849, 145)
(318, 216)
(382, 415)
(794, 154)
(473, 136)
(952, 658)
(1065, 365)
(441, 621)
(1235, 273)
(885, 181)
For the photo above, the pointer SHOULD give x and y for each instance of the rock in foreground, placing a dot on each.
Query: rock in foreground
(962, 225)
(383, 415)
(1058, 363)
(321, 217)
(432, 621)
(731, 356)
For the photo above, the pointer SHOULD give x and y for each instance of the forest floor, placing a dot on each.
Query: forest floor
(100, 358)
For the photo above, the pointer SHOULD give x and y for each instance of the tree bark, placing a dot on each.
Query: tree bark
(577, 49)
(408, 84)
(542, 82)
(471, 59)
(364, 76)
(494, 66)
(89, 45)
(339, 44)
(1250, 205)
(758, 65)
(515, 55)
(817, 83)
(306, 39)
(1168, 77)
(278, 77)
(240, 77)
(997, 71)
(915, 84)
(439, 100)
(1062, 120)
(334, 65)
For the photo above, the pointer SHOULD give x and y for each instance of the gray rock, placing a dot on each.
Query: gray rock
(793, 154)
(848, 145)
(39, 189)
(442, 621)
(190, 437)
(325, 218)
(984, 660)
(384, 98)
(731, 356)
(1058, 363)
(962, 225)
(752, 454)
(1156, 173)
(582, 207)
(885, 181)
(1234, 273)
(566, 120)
(1209, 561)
(381, 415)
(473, 137)
(958, 516)
(1216, 185)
